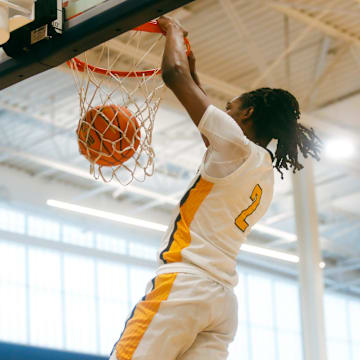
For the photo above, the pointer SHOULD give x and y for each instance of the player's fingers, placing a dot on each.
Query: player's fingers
(165, 21)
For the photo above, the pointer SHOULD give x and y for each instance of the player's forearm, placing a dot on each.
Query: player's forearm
(175, 62)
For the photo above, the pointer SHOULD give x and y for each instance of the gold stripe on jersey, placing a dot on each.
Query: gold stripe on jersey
(189, 205)
(142, 316)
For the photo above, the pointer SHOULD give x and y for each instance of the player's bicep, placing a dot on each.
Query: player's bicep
(190, 96)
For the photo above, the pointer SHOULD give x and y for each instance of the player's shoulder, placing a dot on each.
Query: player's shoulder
(222, 128)
(258, 165)
(260, 157)
(212, 111)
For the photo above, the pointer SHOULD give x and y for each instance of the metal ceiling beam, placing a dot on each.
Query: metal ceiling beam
(320, 64)
(153, 59)
(345, 284)
(319, 69)
(38, 140)
(228, 89)
(293, 44)
(84, 174)
(278, 217)
(342, 232)
(223, 87)
(278, 267)
(355, 55)
(315, 22)
(288, 213)
(147, 206)
(40, 119)
(97, 191)
(328, 70)
(341, 269)
(154, 203)
(130, 188)
(118, 192)
(46, 172)
(286, 45)
(284, 243)
(246, 39)
(310, 7)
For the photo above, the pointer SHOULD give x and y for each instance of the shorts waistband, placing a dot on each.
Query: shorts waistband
(189, 269)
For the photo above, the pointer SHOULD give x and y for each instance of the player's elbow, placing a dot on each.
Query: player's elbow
(173, 74)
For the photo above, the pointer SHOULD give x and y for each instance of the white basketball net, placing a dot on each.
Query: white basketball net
(140, 94)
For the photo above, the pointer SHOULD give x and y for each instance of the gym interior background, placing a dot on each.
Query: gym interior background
(68, 281)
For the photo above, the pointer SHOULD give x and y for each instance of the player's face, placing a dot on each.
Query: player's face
(233, 107)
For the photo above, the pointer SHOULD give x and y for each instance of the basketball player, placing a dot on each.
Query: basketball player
(190, 310)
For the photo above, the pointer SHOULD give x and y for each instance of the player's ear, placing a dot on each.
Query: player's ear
(247, 113)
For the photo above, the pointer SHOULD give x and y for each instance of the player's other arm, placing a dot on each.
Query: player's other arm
(194, 75)
(176, 71)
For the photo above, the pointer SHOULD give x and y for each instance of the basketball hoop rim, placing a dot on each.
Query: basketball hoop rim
(151, 26)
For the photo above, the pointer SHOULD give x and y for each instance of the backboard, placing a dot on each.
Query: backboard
(87, 23)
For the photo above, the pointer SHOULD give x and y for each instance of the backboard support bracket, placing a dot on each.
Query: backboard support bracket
(83, 36)
(48, 23)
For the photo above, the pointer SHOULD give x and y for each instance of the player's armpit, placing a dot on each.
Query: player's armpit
(206, 141)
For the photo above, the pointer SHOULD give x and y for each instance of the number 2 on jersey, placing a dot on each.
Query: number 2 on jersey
(255, 196)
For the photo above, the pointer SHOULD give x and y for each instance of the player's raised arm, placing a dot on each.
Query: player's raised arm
(176, 71)
(194, 75)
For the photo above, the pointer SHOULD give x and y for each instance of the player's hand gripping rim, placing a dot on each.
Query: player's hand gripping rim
(166, 22)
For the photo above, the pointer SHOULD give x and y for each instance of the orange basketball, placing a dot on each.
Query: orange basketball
(108, 135)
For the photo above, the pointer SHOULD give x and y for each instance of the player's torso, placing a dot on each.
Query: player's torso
(213, 219)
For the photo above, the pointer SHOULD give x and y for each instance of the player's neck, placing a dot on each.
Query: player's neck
(262, 142)
(248, 129)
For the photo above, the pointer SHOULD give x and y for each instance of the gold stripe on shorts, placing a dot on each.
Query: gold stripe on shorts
(144, 312)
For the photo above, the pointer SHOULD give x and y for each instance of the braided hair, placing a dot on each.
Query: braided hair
(276, 114)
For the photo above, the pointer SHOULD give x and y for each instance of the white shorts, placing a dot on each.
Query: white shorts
(182, 317)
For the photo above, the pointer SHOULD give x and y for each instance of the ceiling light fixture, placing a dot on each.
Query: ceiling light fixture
(270, 253)
(339, 149)
(160, 227)
(275, 232)
(70, 169)
(107, 215)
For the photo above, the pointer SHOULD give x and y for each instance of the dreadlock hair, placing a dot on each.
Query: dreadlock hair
(276, 114)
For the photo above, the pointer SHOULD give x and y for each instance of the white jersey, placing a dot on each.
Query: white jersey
(230, 193)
